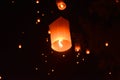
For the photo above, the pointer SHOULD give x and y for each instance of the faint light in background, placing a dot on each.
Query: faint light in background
(117, 1)
(48, 73)
(38, 11)
(45, 55)
(45, 61)
(0, 77)
(37, 1)
(87, 51)
(36, 68)
(42, 54)
(83, 59)
(53, 70)
(23, 32)
(43, 14)
(77, 55)
(63, 55)
(46, 39)
(77, 62)
(13, 1)
(110, 73)
(19, 46)
(106, 44)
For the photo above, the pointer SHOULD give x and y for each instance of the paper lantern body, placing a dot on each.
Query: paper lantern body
(60, 35)
(61, 4)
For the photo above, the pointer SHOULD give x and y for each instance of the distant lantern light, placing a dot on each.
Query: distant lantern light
(77, 62)
(0, 77)
(49, 32)
(38, 20)
(37, 1)
(38, 11)
(61, 4)
(77, 47)
(19, 46)
(117, 1)
(60, 35)
(87, 51)
(13, 1)
(43, 14)
(106, 44)
(63, 55)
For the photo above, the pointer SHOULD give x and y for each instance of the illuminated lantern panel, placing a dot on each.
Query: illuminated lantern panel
(60, 35)
(61, 5)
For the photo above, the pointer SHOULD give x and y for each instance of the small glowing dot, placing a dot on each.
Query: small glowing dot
(46, 39)
(48, 73)
(23, 32)
(77, 62)
(38, 11)
(63, 55)
(83, 59)
(87, 51)
(37, 1)
(45, 61)
(20, 46)
(51, 51)
(49, 32)
(77, 55)
(42, 54)
(13, 1)
(53, 70)
(36, 68)
(43, 14)
(45, 55)
(110, 73)
(38, 20)
(117, 1)
(0, 77)
(106, 44)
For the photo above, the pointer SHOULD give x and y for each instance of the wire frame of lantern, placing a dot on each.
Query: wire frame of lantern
(60, 35)
(61, 4)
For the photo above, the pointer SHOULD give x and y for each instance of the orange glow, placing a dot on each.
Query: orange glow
(37, 1)
(106, 44)
(87, 51)
(20, 46)
(60, 35)
(77, 47)
(61, 5)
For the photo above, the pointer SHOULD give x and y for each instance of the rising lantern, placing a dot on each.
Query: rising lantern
(60, 4)
(60, 35)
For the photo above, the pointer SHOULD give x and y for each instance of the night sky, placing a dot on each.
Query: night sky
(93, 23)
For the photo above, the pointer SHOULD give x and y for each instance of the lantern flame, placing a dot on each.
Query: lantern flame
(60, 43)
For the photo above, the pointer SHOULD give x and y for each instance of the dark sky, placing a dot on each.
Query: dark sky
(92, 22)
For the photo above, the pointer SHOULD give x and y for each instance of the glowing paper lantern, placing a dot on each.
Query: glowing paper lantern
(61, 4)
(77, 47)
(60, 35)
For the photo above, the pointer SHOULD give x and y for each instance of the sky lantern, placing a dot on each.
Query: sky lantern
(60, 35)
(61, 4)
(77, 47)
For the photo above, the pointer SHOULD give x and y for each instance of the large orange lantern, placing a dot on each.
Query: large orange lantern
(60, 35)
(60, 4)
